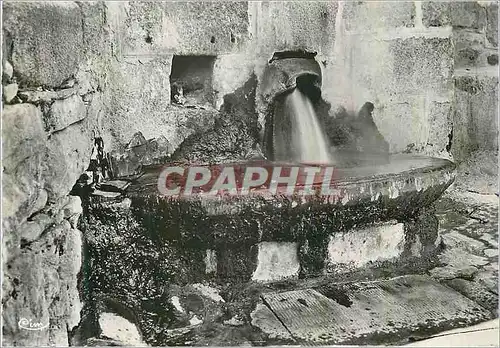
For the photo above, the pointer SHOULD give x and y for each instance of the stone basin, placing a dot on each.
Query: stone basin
(141, 247)
(384, 215)
(411, 182)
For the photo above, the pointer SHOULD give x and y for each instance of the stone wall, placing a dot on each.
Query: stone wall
(475, 103)
(73, 71)
(52, 102)
(402, 57)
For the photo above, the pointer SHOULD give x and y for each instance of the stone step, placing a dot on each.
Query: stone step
(394, 311)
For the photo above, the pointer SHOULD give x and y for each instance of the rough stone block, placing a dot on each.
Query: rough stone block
(470, 50)
(368, 15)
(48, 293)
(475, 122)
(23, 145)
(7, 72)
(424, 64)
(120, 329)
(456, 240)
(95, 36)
(492, 23)
(47, 40)
(26, 301)
(9, 92)
(466, 14)
(357, 248)
(31, 230)
(230, 73)
(385, 70)
(396, 75)
(406, 116)
(136, 103)
(64, 113)
(22, 134)
(276, 261)
(178, 27)
(281, 26)
(67, 158)
(440, 125)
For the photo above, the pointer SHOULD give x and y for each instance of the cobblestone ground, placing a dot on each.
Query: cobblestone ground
(468, 216)
(469, 231)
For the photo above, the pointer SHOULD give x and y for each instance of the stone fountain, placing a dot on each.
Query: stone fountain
(141, 248)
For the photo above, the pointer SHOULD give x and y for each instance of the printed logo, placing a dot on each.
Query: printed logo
(29, 324)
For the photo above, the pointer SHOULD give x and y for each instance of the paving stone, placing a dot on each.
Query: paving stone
(476, 292)
(488, 280)
(492, 267)
(264, 319)
(491, 252)
(374, 309)
(457, 240)
(485, 334)
(450, 272)
(461, 259)
(491, 240)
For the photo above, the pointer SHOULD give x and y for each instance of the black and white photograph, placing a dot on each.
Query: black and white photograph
(249, 173)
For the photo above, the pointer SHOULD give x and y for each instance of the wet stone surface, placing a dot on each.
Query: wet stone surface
(469, 230)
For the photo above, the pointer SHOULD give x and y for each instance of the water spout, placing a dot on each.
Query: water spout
(308, 143)
(291, 86)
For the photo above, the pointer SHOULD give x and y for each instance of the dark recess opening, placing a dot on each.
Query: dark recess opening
(191, 80)
(293, 54)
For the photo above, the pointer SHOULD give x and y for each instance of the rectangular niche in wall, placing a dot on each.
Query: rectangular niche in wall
(191, 80)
